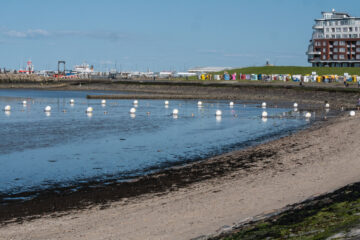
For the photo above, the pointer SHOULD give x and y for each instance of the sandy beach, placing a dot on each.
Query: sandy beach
(306, 164)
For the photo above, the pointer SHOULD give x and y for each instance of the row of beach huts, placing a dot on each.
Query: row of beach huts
(282, 77)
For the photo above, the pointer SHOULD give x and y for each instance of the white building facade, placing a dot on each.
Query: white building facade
(335, 41)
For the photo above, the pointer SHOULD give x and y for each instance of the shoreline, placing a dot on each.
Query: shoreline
(268, 160)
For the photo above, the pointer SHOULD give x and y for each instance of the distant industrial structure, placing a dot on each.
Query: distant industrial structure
(335, 41)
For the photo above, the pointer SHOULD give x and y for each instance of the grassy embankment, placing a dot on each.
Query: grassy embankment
(295, 70)
(335, 213)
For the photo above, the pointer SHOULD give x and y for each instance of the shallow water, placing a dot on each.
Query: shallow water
(40, 150)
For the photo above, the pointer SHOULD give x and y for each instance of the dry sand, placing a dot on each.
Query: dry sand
(319, 160)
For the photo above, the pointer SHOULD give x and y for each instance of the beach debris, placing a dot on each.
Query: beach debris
(218, 113)
(132, 110)
(7, 108)
(263, 105)
(89, 110)
(103, 101)
(175, 112)
(295, 105)
(308, 115)
(47, 109)
(72, 101)
(352, 113)
(264, 114)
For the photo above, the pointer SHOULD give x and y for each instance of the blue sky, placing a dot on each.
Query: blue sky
(160, 34)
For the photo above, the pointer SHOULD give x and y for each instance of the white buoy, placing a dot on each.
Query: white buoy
(352, 113)
(231, 104)
(199, 103)
(132, 110)
(103, 101)
(264, 114)
(218, 113)
(72, 101)
(218, 119)
(166, 102)
(24, 102)
(295, 109)
(7, 108)
(89, 110)
(175, 112)
(47, 109)
(308, 115)
(135, 102)
(327, 105)
(263, 105)
(295, 105)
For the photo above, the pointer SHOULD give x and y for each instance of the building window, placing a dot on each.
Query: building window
(336, 43)
(341, 57)
(338, 29)
(327, 36)
(335, 57)
(342, 43)
(350, 29)
(324, 57)
(333, 36)
(324, 44)
(335, 50)
(345, 29)
(333, 30)
(358, 49)
(342, 50)
(358, 56)
(327, 29)
(338, 35)
(357, 42)
(324, 49)
(356, 29)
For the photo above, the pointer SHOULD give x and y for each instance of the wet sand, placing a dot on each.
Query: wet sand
(199, 198)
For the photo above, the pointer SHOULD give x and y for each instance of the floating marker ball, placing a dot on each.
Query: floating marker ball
(72, 101)
(327, 105)
(175, 112)
(263, 104)
(103, 101)
(47, 109)
(7, 108)
(132, 110)
(199, 103)
(135, 102)
(352, 113)
(264, 114)
(89, 110)
(166, 102)
(24, 102)
(295, 105)
(308, 115)
(231, 104)
(218, 113)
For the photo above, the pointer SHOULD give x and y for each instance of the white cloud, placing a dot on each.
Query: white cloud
(41, 33)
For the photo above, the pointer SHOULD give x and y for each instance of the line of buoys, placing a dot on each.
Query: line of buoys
(7, 108)
(47, 109)
(263, 105)
(218, 113)
(103, 101)
(264, 114)
(352, 113)
(136, 102)
(166, 102)
(175, 112)
(199, 103)
(24, 102)
(72, 101)
(295, 105)
(231, 104)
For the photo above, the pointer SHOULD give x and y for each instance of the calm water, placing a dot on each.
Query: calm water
(41, 150)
